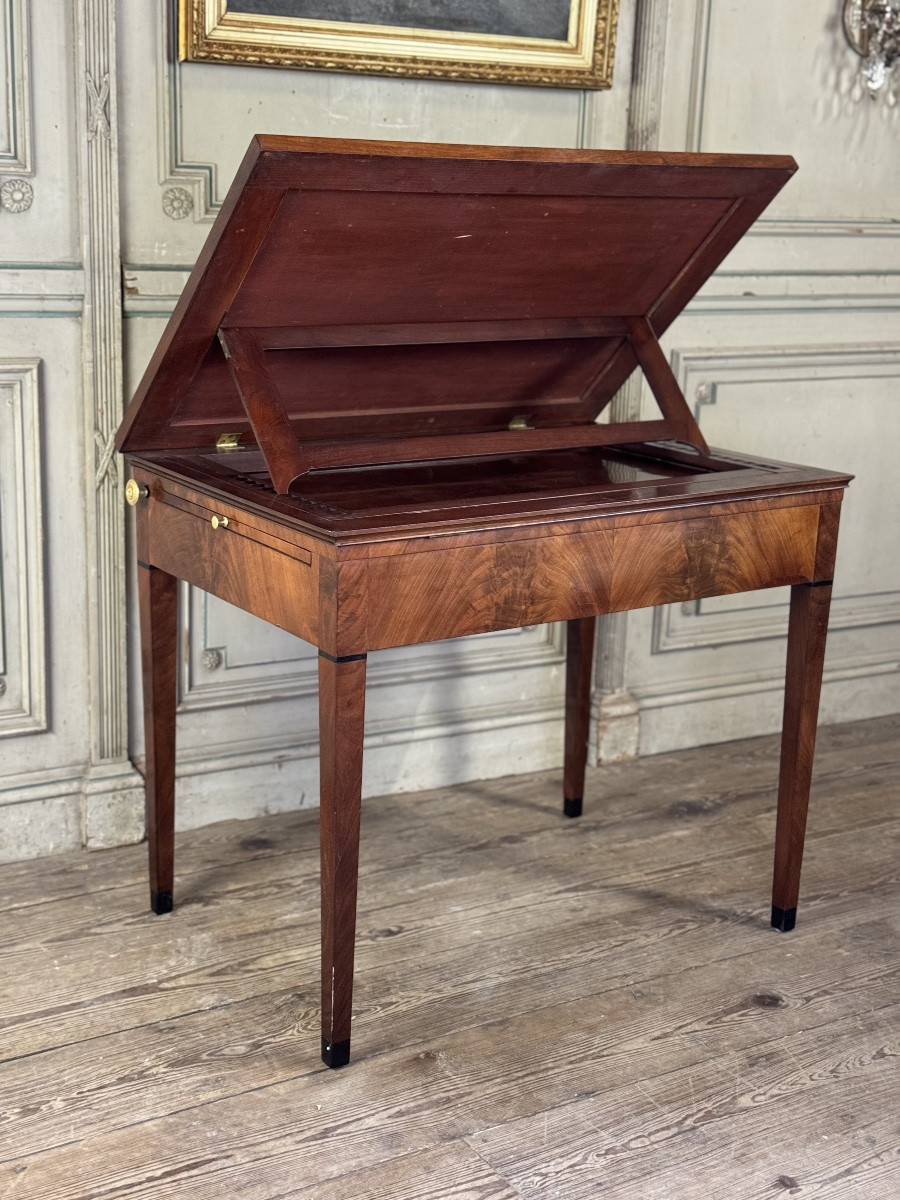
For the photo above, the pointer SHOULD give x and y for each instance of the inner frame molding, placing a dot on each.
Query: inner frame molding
(16, 151)
(23, 676)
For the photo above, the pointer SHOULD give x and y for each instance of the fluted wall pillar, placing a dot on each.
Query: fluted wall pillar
(112, 790)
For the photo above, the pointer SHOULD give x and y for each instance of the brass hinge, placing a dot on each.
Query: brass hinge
(228, 441)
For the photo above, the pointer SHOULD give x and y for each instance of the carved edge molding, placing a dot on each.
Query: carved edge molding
(23, 699)
(701, 373)
(17, 158)
(102, 346)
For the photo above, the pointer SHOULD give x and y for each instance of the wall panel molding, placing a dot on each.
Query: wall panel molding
(692, 627)
(41, 290)
(16, 152)
(701, 372)
(710, 625)
(701, 688)
(211, 676)
(197, 180)
(418, 730)
(23, 681)
(701, 57)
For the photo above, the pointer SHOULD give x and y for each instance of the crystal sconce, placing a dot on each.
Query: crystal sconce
(872, 27)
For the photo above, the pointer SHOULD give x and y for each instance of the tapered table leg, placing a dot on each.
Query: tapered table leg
(158, 600)
(805, 659)
(579, 660)
(342, 697)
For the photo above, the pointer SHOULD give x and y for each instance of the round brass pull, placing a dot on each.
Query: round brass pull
(219, 522)
(135, 491)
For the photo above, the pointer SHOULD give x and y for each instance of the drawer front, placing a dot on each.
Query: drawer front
(474, 589)
(436, 594)
(281, 587)
(713, 556)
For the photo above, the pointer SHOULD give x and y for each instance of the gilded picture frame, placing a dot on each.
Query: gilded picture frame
(492, 41)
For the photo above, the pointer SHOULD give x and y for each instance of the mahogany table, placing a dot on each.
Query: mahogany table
(373, 421)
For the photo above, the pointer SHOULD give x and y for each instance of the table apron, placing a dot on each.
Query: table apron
(430, 594)
(427, 596)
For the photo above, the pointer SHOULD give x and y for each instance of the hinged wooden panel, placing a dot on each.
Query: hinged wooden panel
(466, 244)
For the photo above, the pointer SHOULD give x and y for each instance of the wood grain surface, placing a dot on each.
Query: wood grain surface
(159, 663)
(316, 232)
(543, 1007)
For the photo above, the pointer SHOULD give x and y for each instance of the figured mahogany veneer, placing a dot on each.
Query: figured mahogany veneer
(411, 347)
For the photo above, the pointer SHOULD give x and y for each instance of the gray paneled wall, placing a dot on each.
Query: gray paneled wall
(792, 351)
(113, 160)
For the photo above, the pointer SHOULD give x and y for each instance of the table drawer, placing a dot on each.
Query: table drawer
(438, 593)
(713, 556)
(276, 581)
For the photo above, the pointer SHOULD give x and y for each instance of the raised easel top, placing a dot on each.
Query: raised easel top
(370, 302)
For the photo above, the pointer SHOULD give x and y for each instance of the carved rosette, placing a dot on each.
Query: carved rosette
(212, 659)
(2, 686)
(177, 203)
(16, 195)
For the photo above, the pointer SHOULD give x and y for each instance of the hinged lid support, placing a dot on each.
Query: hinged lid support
(664, 385)
(279, 445)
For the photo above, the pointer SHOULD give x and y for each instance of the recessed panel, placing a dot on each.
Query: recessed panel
(353, 391)
(363, 258)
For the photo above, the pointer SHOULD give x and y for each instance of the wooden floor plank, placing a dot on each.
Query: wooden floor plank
(263, 1142)
(449, 1172)
(518, 975)
(211, 956)
(618, 790)
(145, 1073)
(809, 1109)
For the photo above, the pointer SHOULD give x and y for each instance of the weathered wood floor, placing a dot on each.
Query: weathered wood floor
(544, 1008)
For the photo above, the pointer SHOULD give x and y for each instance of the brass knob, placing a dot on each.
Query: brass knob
(135, 491)
(219, 522)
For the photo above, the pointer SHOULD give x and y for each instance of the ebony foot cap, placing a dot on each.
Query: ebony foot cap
(784, 919)
(161, 902)
(572, 808)
(335, 1054)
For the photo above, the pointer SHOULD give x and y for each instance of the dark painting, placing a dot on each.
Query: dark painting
(503, 18)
